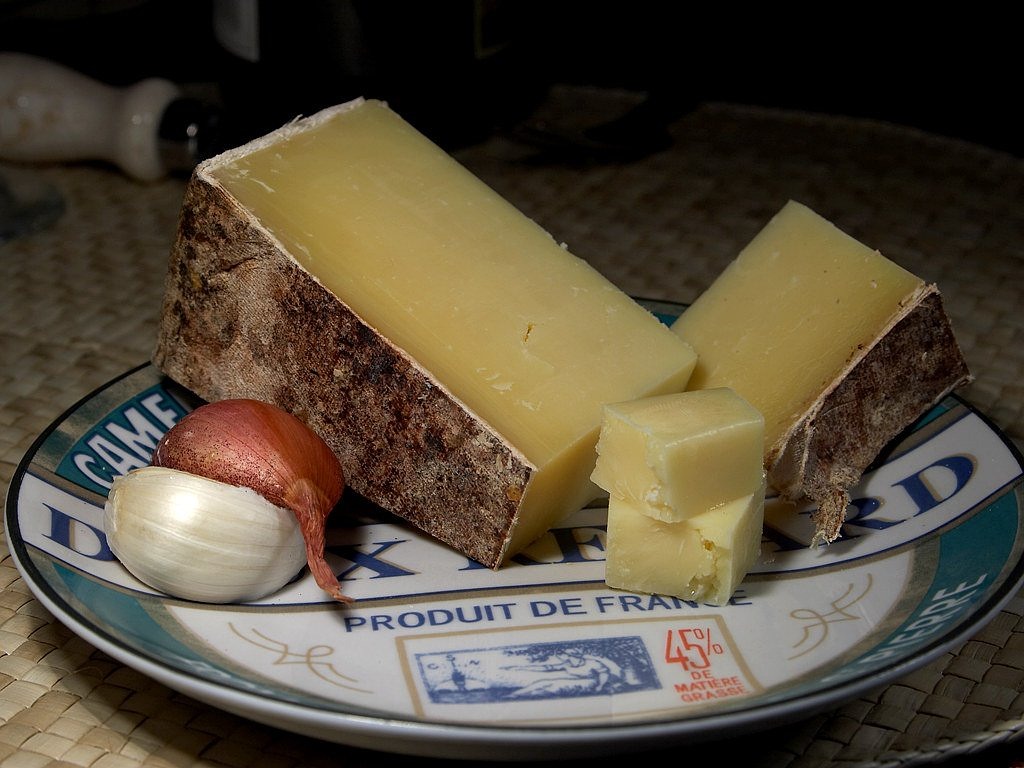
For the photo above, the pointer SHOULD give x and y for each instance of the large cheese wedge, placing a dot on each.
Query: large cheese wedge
(703, 558)
(454, 356)
(681, 454)
(837, 346)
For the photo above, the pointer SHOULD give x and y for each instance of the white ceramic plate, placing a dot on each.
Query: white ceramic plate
(442, 657)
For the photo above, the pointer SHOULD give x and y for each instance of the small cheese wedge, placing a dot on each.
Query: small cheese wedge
(837, 346)
(703, 558)
(452, 353)
(681, 454)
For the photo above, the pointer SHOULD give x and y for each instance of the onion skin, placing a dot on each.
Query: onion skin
(257, 445)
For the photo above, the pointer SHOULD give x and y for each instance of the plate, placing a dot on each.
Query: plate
(442, 657)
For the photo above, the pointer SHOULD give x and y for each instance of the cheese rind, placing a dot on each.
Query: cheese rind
(681, 454)
(702, 558)
(838, 347)
(452, 354)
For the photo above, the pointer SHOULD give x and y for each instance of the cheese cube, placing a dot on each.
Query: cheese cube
(681, 454)
(453, 355)
(838, 347)
(702, 558)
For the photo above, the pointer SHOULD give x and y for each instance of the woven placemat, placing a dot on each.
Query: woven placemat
(79, 300)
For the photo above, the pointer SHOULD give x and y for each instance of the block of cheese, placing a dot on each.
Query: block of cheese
(837, 346)
(681, 454)
(703, 558)
(452, 353)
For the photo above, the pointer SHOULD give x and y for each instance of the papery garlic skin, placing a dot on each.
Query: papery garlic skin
(201, 539)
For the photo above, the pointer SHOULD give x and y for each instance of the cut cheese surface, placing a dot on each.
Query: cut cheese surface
(683, 453)
(839, 348)
(703, 558)
(480, 295)
(453, 355)
(781, 322)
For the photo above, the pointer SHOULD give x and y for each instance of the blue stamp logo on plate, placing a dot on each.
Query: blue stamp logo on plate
(549, 670)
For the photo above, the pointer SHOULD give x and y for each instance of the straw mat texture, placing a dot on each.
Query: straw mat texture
(78, 304)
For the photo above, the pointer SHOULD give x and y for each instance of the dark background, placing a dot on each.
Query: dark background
(951, 75)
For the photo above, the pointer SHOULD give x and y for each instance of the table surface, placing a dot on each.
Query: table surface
(79, 298)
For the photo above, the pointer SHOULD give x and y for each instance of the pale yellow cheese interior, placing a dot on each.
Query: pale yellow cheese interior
(781, 322)
(682, 453)
(702, 558)
(528, 336)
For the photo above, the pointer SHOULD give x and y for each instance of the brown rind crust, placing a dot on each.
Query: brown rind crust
(886, 388)
(242, 319)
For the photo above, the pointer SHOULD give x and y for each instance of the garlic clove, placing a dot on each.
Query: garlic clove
(201, 539)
